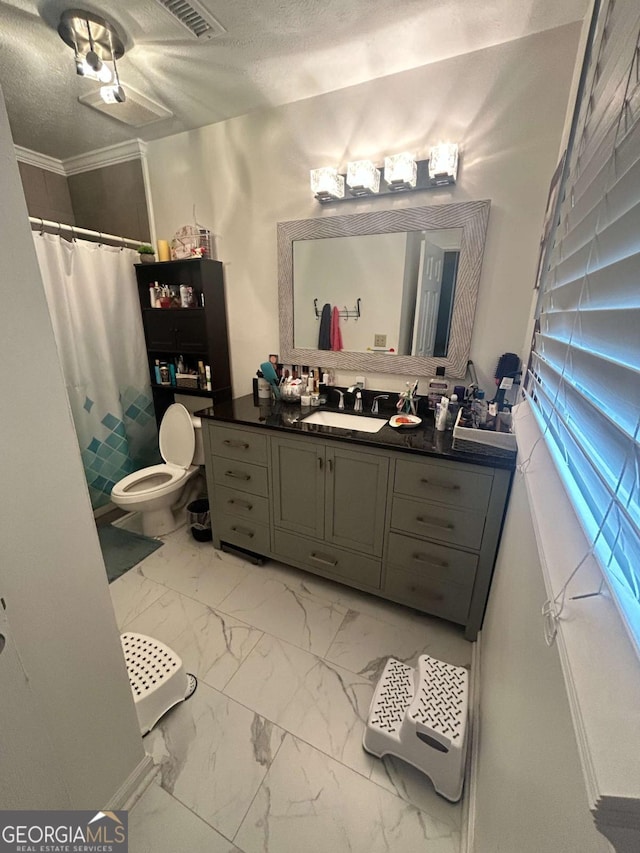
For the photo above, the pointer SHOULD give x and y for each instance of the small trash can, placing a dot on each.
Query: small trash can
(199, 520)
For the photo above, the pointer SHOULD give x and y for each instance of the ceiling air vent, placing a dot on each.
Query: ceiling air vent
(194, 17)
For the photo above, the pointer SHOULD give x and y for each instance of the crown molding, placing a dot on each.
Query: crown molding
(133, 149)
(41, 161)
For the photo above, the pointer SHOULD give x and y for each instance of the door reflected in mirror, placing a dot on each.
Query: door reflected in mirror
(405, 282)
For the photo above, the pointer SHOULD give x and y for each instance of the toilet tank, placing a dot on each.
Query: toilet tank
(198, 453)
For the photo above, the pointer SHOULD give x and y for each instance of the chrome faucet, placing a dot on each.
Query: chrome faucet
(374, 407)
(341, 401)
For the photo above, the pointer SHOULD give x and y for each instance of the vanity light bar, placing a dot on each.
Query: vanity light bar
(401, 173)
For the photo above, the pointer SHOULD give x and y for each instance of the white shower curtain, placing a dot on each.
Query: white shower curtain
(92, 296)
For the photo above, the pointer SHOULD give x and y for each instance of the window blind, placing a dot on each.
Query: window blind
(584, 370)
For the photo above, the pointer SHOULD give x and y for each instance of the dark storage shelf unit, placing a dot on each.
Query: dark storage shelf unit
(198, 334)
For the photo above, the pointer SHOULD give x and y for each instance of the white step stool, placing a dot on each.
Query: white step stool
(420, 716)
(157, 678)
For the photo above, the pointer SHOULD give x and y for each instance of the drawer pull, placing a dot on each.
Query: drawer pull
(426, 593)
(241, 444)
(322, 560)
(243, 531)
(320, 463)
(439, 524)
(424, 558)
(244, 504)
(454, 487)
(237, 476)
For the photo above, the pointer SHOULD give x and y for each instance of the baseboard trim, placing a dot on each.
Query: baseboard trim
(134, 786)
(469, 802)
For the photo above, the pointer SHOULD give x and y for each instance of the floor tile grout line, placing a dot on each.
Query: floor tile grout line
(204, 820)
(263, 780)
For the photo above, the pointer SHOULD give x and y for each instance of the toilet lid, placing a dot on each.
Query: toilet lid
(177, 438)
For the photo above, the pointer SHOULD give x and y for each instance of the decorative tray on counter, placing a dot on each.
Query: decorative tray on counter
(484, 440)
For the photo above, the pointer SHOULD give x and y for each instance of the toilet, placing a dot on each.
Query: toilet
(157, 492)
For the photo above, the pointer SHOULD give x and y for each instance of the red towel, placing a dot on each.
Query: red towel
(336, 334)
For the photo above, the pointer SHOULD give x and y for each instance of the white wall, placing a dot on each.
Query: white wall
(530, 790)
(505, 106)
(73, 739)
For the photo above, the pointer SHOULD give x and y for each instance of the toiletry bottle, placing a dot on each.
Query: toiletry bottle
(441, 414)
(437, 386)
(172, 372)
(157, 372)
(165, 376)
(181, 364)
(207, 373)
(152, 296)
(480, 409)
(454, 407)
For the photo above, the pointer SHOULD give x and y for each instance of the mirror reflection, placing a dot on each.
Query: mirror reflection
(394, 291)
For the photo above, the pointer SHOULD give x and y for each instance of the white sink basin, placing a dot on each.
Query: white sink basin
(344, 420)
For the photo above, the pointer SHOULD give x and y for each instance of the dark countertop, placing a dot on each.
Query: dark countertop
(423, 440)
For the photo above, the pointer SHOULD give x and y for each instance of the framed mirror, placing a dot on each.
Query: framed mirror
(405, 284)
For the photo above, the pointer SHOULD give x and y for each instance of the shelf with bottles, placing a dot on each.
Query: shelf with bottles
(181, 374)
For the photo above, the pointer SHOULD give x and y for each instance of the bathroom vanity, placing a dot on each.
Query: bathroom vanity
(396, 513)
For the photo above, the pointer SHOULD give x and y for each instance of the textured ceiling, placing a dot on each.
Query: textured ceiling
(273, 52)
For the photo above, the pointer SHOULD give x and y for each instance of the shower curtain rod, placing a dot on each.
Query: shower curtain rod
(96, 236)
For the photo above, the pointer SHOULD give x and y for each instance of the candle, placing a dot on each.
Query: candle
(164, 253)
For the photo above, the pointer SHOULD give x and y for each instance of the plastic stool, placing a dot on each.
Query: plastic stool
(157, 678)
(420, 716)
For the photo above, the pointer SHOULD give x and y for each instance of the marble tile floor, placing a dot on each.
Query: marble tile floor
(267, 757)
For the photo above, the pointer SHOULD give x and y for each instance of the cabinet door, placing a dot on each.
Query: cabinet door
(159, 329)
(191, 333)
(356, 486)
(298, 485)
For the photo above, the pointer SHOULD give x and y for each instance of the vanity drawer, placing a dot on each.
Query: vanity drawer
(239, 444)
(242, 532)
(242, 505)
(241, 476)
(443, 483)
(326, 559)
(429, 560)
(447, 600)
(444, 523)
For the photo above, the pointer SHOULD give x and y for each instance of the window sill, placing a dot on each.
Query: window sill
(599, 663)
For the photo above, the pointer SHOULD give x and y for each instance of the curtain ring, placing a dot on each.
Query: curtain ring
(41, 226)
(73, 234)
(124, 245)
(100, 241)
(59, 229)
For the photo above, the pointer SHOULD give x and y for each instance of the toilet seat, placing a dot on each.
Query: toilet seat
(152, 482)
(177, 446)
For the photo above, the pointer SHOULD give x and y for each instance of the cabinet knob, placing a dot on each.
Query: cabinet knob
(237, 475)
(243, 531)
(453, 487)
(442, 525)
(241, 445)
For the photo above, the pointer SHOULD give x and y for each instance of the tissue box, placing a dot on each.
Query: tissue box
(483, 440)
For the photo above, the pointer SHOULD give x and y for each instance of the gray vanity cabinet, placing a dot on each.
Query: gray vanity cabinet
(418, 530)
(328, 492)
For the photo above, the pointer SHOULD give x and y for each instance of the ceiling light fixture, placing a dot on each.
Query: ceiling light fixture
(96, 45)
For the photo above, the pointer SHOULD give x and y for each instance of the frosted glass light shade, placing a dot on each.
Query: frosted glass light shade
(326, 183)
(362, 177)
(443, 164)
(401, 171)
